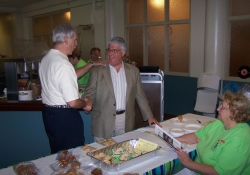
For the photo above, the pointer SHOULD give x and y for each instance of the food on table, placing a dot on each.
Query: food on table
(75, 165)
(119, 151)
(118, 155)
(73, 172)
(26, 168)
(65, 160)
(100, 156)
(88, 148)
(128, 153)
(64, 153)
(71, 158)
(125, 156)
(107, 142)
(180, 118)
(70, 171)
(96, 171)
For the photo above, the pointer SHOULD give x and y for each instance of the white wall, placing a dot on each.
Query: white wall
(197, 37)
(107, 18)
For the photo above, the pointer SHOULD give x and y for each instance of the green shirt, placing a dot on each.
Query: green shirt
(227, 150)
(84, 78)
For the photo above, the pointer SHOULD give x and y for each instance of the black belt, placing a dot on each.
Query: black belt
(57, 106)
(120, 112)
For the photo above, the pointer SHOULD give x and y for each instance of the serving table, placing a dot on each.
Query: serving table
(165, 160)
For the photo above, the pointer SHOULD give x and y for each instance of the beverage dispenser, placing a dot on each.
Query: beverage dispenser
(28, 64)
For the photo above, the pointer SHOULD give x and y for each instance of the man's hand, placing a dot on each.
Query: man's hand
(153, 120)
(89, 106)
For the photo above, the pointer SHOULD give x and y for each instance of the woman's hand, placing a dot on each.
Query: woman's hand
(100, 63)
(183, 157)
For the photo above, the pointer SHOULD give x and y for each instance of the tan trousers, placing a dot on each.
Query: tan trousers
(119, 126)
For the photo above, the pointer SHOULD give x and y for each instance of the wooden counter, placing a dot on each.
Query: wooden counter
(20, 105)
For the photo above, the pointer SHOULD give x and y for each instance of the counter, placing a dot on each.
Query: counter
(22, 133)
(20, 105)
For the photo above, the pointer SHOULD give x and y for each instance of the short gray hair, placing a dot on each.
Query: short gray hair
(118, 40)
(61, 31)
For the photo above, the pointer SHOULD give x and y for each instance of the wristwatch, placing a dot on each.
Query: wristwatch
(92, 63)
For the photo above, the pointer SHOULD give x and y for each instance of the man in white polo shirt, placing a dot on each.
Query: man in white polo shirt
(114, 90)
(62, 120)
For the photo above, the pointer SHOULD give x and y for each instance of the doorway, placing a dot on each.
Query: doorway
(85, 40)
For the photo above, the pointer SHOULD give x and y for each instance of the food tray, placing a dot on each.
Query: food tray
(107, 142)
(88, 148)
(123, 164)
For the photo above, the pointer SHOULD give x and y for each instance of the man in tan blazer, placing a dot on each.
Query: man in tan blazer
(113, 90)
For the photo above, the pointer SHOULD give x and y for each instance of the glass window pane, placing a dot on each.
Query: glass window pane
(135, 44)
(134, 11)
(179, 9)
(179, 48)
(240, 44)
(155, 10)
(156, 46)
(59, 18)
(46, 38)
(41, 25)
(240, 7)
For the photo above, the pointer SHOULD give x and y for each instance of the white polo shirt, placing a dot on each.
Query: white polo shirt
(58, 79)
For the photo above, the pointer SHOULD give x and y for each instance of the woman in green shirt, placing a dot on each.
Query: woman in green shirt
(81, 67)
(223, 146)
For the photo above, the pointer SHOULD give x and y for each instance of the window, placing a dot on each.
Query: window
(44, 25)
(239, 35)
(157, 33)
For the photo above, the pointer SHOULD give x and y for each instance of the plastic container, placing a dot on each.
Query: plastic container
(26, 168)
(66, 160)
(25, 95)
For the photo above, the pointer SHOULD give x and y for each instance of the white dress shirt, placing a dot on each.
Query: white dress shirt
(120, 86)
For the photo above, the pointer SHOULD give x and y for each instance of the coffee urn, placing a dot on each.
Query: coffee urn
(31, 54)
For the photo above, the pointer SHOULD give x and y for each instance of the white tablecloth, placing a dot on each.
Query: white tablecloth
(162, 156)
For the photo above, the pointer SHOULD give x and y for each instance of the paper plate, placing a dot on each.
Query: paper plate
(177, 122)
(176, 132)
(192, 127)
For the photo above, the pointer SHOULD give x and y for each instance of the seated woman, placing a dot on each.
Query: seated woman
(224, 144)
(82, 67)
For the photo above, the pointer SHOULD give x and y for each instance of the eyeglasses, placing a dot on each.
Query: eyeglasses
(113, 50)
(222, 107)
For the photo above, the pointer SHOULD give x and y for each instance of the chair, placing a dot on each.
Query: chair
(208, 88)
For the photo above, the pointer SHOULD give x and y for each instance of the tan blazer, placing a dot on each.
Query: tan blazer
(100, 91)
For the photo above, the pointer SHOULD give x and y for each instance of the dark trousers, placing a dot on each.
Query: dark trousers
(64, 128)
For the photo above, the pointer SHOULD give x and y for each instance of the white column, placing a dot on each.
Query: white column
(215, 37)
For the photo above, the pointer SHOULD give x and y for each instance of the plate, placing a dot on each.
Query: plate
(192, 127)
(177, 122)
(176, 132)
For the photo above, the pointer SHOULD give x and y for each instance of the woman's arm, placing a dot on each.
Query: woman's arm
(190, 138)
(195, 166)
(82, 70)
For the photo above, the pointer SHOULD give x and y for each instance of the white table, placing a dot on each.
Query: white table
(163, 156)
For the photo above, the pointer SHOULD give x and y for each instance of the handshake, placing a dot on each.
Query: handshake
(89, 105)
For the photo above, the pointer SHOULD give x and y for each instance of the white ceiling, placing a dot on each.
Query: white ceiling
(18, 3)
